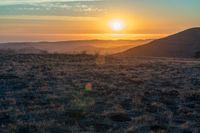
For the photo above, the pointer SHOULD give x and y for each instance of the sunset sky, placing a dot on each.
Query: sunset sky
(53, 20)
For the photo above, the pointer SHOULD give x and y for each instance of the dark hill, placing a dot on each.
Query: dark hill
(182, 44)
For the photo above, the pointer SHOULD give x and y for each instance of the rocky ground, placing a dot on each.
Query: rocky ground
(81, 93)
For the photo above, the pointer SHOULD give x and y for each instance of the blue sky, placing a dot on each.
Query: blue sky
(41, 7)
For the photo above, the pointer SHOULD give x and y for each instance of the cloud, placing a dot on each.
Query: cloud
(14, 2)
(49, 18)
(51, 7)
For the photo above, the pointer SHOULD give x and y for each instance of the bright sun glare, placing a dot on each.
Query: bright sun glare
(116, 24)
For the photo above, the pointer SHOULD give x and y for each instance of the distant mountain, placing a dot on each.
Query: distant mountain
(183, 44)
(89, 46)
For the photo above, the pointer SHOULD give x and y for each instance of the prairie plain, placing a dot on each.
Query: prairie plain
(57, 93)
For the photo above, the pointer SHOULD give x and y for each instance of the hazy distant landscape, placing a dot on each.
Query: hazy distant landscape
(184, 44)
(104, 47)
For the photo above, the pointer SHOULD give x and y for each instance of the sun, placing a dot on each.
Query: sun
(116, 24)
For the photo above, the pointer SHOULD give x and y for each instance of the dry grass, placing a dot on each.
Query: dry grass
(76, 93)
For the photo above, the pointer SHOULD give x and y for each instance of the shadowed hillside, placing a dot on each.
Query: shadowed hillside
(182, 44)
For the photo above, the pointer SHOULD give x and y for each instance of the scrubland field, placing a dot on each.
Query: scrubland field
(83, 94)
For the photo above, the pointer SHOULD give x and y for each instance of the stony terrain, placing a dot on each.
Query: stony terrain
(81, 93)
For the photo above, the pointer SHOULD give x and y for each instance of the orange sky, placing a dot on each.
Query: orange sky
(56, 20)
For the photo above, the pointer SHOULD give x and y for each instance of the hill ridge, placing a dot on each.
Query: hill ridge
(182, 44)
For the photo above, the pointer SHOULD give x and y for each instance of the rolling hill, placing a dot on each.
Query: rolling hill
(183, 44)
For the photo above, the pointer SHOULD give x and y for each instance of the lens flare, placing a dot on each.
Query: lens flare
(88, 86)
